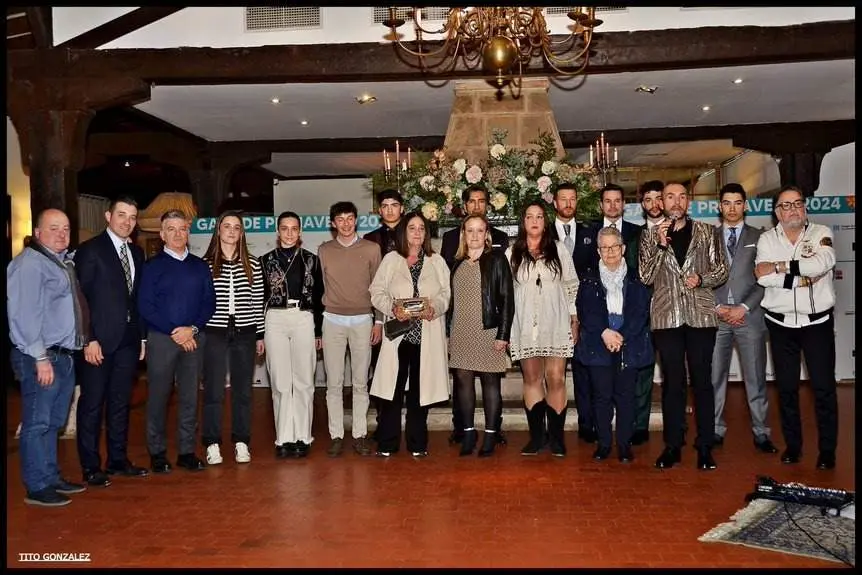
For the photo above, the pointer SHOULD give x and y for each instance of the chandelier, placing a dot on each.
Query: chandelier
(602, 163)
(503, 39)
(403, 165)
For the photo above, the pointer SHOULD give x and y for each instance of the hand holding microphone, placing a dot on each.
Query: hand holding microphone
(663, 229)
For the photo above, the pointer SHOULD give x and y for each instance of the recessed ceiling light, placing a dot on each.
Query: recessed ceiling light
(647, 89)
(365, 99)
(738, 81)
(304, 122)
(275, 100)
(705, 108)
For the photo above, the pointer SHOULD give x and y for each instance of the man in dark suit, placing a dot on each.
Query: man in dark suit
(612, 205)
(109, 267)
(580, 240)
(741, 319)
(649, 195)
(475, 199)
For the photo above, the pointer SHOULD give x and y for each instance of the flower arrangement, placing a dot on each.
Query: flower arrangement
(513, 178)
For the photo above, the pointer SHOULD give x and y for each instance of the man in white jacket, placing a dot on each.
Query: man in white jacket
(794, 264)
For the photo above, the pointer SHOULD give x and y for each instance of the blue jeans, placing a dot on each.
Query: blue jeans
(43, 413)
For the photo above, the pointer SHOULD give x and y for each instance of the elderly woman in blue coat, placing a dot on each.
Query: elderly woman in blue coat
(615, 341)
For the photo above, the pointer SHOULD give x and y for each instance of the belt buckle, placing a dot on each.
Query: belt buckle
(292, 303)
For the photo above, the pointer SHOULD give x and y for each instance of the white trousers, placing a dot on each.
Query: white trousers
(336, 339)
(290, 360)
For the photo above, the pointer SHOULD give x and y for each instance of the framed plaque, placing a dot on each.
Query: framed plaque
(414, 306)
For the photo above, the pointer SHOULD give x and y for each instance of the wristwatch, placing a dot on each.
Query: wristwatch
(777, 269)
(195, 330)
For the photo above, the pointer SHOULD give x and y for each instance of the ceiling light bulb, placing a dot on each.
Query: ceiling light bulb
(705, 108)
(365, 99)
(304, 122)
(738, 81)
(275, 100)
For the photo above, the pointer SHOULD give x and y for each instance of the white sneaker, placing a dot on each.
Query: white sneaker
(241, 452)
(214, 455)
(69, 433)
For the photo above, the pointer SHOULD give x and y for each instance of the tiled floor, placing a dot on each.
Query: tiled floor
(443, 511)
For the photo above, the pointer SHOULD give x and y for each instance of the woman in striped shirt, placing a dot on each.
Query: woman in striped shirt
(234, 335)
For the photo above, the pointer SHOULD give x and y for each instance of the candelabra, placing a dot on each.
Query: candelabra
(402, 165)
(601, 162)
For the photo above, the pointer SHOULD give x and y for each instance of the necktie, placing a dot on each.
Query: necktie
(614, 225)
(568, 242)
(731, 242)
(127, 269)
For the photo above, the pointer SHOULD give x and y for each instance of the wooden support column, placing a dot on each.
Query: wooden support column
(52, 117)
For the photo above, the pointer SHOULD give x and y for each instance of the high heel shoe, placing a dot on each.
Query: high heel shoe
(468, 444)
(489, 442)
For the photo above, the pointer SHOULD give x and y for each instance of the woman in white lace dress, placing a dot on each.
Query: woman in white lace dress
(545, 328)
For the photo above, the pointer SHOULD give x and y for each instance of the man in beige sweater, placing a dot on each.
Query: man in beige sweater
(349, 264)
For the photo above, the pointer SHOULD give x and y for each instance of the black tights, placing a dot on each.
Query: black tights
(492, 397)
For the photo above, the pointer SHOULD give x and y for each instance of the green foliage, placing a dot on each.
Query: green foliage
(513, 178)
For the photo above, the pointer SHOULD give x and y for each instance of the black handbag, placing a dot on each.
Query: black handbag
(395, 327)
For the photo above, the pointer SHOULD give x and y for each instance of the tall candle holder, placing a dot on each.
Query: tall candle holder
(403, 166)
(602, 162)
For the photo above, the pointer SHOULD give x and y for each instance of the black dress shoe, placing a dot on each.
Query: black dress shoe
(639, 437)
(601, 453)
(96, 478)
(191, 462)
(625, 454)
(588, 435)
(301, 449)
(791, 455)
(127, 470)
(704, 459)
(668, 458)
(456, 437)
(283, 451)
(826, 460)
(765, 446)
(159, 463)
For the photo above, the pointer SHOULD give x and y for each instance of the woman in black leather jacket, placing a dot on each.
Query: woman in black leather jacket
(480, 320)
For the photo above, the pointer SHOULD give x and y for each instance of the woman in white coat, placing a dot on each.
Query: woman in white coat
(415, 363)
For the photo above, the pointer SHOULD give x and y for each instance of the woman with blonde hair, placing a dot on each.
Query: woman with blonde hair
(293, 296)
(418, 354)
(234, 334)
(480, 319)
(545, 328)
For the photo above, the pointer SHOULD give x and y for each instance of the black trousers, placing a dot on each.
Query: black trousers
(817, 342)
(416, 424)
(613, 389)
(228, 348)
(583, 395)
(678, 347)
(106, 391)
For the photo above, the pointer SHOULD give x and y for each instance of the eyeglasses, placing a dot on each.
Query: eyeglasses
(610, 249)
(787, 206)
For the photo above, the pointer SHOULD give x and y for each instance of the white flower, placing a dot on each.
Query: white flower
(474, 174)
(544, 184)
(430, 211)
(548, 167)
(522, 181)
(498, 151)
(460, 165)
(427, 183)
(498, 200)
(447, 191)
(548, 197)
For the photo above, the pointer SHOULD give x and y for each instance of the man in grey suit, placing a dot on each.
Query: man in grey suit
(737, 305)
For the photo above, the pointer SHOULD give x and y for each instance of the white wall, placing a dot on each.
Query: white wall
(316, 196)
(755, 171)
(225, 26)
(17, 186)
(838, 172)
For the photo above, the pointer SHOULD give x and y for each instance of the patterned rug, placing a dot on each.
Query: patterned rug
(766, 524)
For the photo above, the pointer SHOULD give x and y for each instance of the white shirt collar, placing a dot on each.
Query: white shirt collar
(176, 256)
(561, 231)
(117, 240)
(617, 224)
(353, 241)
(651, 225)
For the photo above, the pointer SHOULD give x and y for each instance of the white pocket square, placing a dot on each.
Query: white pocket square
(750, 246)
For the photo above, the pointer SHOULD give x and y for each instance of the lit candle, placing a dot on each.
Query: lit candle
(397, 153)
(388, 167)
(616, 156)
(384, 160)
(403, 165)
(409, 159)
(591, 155)
(602, 140)
(607, 153)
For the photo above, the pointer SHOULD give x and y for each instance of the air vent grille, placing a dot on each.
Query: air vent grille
(270, 18)
(434, 13)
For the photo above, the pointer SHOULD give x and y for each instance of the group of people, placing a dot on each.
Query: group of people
(607, 296)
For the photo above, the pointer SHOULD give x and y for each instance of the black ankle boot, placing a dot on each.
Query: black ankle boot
(489, 442)
(468, 443)
(556, 429)
(536, 423)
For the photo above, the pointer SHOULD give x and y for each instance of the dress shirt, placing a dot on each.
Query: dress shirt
(117, 241)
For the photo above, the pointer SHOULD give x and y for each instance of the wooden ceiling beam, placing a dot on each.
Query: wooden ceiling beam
(614, 52)
(119, 27)
(41, 25)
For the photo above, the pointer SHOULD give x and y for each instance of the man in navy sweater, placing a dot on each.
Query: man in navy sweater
(176, 299)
